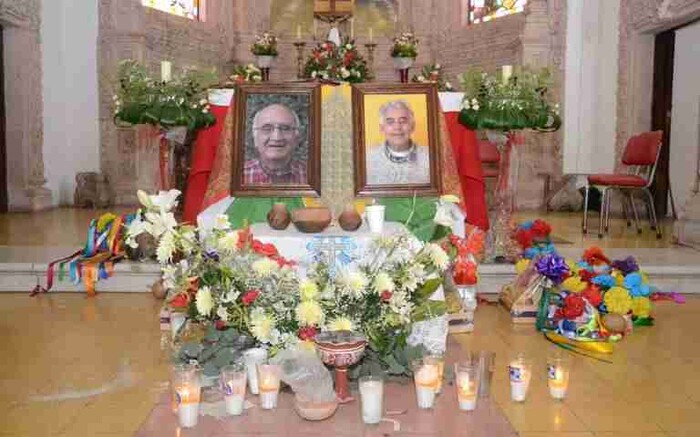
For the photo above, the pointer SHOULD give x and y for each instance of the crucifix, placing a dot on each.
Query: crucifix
(335, 12)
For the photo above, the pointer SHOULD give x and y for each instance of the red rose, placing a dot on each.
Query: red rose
(307, 333)
(524, 238)
(386, 295)
(250, 297)
(573, 306)
(182, 300)
(264, 249)
(586, 275)
(540, 229)
(592, 295)
(220, 325)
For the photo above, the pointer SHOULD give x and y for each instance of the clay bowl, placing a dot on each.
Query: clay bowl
(311, 220)
(314, 410)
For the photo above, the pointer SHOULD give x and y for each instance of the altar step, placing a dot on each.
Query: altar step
(23, 267)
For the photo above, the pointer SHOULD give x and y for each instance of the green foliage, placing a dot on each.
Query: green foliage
(343, 63)
(180, 102)
(405, 46)
(416, 213)
(248, 210)
(217, 349)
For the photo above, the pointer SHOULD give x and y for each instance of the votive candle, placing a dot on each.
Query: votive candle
(438, 360)
(506, 72)
(426, 380)
(269, 385)
(467, 381)
(188, 405)
(372, 399)
(233, 381)
(558, 373)
(520, 372)
(252, 358)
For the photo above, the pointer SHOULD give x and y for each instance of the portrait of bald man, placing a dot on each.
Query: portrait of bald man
(398, 160)
(277, 135)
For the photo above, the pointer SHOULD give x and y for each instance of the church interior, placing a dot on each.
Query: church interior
(509, 188)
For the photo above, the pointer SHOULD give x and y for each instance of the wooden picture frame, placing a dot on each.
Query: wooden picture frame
(259, 152)
(379, 170)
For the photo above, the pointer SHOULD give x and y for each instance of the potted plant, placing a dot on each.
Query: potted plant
(340, 63)
(432, 73)
(265, 51)
(404, 52)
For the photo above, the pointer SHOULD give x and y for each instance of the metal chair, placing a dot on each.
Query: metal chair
(641, 157)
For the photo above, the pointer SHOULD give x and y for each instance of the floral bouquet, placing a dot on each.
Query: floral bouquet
(405, 46)
(245, 73)
(265, 45)
(519, 102)
(534, 238)
(180, 102)
(433, 74)
(342, 63)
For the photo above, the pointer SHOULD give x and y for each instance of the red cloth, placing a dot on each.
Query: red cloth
(466, 151)
(203, 156)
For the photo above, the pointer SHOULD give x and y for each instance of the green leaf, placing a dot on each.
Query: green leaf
(255, 209)
(429, 310)
(427, 289)
(416, 213)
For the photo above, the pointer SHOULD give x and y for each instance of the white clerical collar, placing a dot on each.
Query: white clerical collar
(395, 156)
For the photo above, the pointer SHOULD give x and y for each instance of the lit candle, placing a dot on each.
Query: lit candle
(188, 405)
(371, 35)
(298, 31)
(426, 380)
(372, 399)
(166, 71)
(269, 384)
(520, 375)
(467, 386)
(558, 378)
(439, 361)
(252, 358)
(233, 380)
(506, 72)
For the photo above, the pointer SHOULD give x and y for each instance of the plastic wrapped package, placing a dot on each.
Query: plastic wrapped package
(306, 374)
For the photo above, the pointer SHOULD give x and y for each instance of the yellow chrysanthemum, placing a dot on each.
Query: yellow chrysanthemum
(309, 313)
(308, 290)
(573, 267)
(340, 324)
(383, 282)
(261, 325)
(265, 267)
(618, 300)
(619, 277)
(641, 306)
(574, 284)
(522, 265)
(204, 301)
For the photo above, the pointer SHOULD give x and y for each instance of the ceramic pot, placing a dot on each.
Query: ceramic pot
(311, 220)
(350, 219)
(158, 290)
(278, 217)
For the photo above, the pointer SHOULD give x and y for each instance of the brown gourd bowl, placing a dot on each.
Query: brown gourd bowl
(311, 220)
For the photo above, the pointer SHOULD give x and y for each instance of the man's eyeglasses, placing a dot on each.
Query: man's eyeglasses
(284, 129)
(401, 121)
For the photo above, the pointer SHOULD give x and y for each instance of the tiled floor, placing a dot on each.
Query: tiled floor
(75, 366)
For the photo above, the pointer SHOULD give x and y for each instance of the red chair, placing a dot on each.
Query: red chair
(489, 155)
(641, 156)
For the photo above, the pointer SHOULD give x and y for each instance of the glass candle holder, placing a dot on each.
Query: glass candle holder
(425, 375)
(372, 399)
(268, 385)
(233, 380)
(467, 383)
(439, 361)
(520, 373)
(558, 373)
(187, 387)
(487, 360)
(252, 358)
(177, 319)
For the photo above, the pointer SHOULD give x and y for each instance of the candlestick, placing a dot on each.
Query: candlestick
(300, 58)
(370, 56)
(269, 384)
(520, 374)
(233, 381)
(372, 399)
(506, 72)
(426, 381)
(252, 358)
(467, 381)
(166, 71)
(558, 373)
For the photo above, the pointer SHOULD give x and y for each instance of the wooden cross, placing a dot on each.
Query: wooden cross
(333, 10)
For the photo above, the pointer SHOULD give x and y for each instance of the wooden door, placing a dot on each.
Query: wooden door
(662, 102)
(3, 151)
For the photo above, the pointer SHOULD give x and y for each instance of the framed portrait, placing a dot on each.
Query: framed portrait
(396, 139)
(276, 140)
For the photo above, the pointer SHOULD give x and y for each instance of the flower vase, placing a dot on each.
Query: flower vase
(264, 63)
(501, 247)
(403, 64)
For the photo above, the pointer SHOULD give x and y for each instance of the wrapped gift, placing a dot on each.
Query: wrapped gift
(522, 296)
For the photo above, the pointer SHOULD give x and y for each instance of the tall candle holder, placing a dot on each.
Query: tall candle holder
(370, 55)
(300, 58)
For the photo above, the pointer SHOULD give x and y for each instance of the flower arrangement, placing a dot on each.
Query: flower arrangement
(342, 63)
(405, 46)
(245, 73)
(519, 102)
(534, 238)
(432, 73)
(265, 45)
(181, 102)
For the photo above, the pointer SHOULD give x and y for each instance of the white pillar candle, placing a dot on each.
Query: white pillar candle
(166, 71)
(506, 72)
(519, 380)
(439, 361)
(558, 380)
(252, 358)
(269, 385)
(234, 404)
(372, 399)
(466, 392)
(375, 218)
(268, 400)
(188, 406)
(426, 380)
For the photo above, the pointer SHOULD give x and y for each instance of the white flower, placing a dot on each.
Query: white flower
(443, 215)
(228, 242)
(166, 247)
(340, 324)
(261, 325)
(221, 222)
(309, 313)
(133, 230)
(169, 276)
(204, 301)
(437, 256)
(194, 106)
(475, 107)
(164, 201)
(421, 78)
(203, 102)
(464, 105)
(344, 73)
(160, 223)
(383, 282)
(448, 85)
(416, 274)
(348, 46)
(437, 66)
(205, 110)
(230, 296)
(325, 75)
(313, 74)
(352, 282)
(474, 101)
(356, 73)
(265, 267)
(115, 97)
(308, 290)
(222, 313)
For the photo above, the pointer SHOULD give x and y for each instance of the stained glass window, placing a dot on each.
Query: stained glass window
(481, 11)
(183, 8)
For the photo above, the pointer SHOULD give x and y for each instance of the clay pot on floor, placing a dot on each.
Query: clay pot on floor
(158, 290)
(278, 217)
(350, 219)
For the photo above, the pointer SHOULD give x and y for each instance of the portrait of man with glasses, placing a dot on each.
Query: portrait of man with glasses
(278, 142)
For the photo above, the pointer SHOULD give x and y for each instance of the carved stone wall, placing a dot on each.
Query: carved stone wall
(21, 20)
